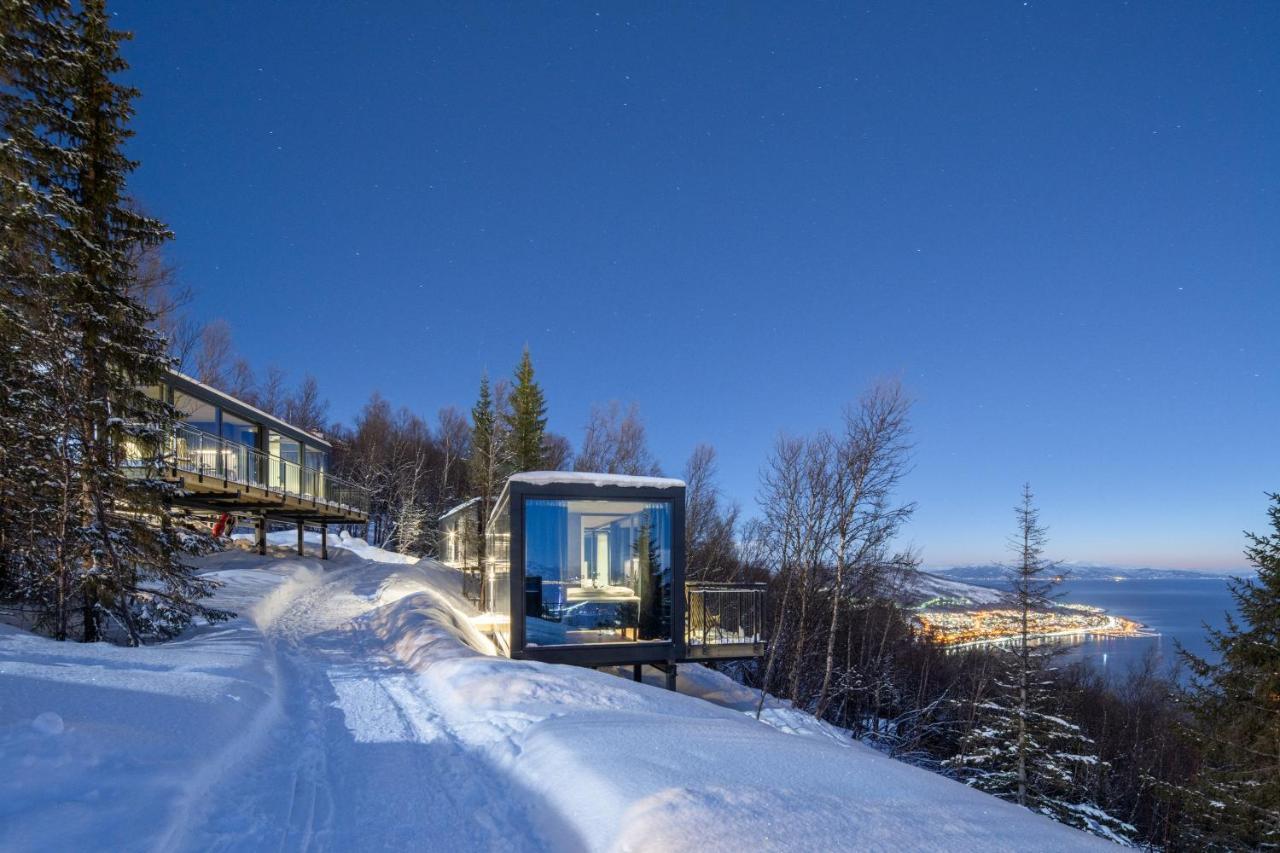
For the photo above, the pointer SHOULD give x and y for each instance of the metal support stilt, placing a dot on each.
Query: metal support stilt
(324, 541)
(671, 677)
(636, 674)
(261, 531)
(300, 551)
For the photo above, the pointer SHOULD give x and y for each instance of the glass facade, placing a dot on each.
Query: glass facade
(597, 571)
(212, 440)
(459, 545)
(286, 463)
(497, 559)
(317, 463)
(197, 413)
(239, 430)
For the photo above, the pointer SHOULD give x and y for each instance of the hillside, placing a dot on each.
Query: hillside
(353, 705)
(990, 572)
(926, 588)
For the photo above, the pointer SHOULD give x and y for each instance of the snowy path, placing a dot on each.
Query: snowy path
(306, 783)
(351, 706)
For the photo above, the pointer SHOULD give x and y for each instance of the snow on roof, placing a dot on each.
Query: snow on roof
(459, 508)
(547, 478)
(267, 418)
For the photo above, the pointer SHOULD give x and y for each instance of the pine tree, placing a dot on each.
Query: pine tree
(484, 466)
(108, 547)
(39, 52)
(1236, 705)
(1019, 747)
(527, 421)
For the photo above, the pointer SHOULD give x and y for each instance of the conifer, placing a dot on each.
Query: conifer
(1236, 705)
(1020, 747)
(84, 349)
(527, 420)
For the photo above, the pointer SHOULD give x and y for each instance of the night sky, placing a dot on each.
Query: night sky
(1057, 223)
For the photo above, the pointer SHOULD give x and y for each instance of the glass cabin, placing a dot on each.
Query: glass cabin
(587, 568)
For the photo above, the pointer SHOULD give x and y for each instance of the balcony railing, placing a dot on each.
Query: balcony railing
(719, 614)
(199, 452)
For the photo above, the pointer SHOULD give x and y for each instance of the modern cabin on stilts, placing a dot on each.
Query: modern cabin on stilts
(589, 569)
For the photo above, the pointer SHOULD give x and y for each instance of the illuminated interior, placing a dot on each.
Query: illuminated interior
(597, 571)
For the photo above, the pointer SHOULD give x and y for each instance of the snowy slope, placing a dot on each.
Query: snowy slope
(922, 587)
(352, 706)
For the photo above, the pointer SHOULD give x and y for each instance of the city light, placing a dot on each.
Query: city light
(996, 625)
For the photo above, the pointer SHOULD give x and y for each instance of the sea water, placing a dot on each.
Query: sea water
(1175, 609)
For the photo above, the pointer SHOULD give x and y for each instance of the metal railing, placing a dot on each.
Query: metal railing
(199, 452)
(724, 613)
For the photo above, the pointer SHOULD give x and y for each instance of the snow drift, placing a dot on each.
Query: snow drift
(358, 705)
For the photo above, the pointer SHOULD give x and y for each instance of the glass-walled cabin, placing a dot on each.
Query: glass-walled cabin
(221, 436)
(459, 545)
(587, 568)
(459, 539)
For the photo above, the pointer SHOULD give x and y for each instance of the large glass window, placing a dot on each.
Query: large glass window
(597, 571)
(317, 462)
(239, 430)
(241, 435)
(317, 459)
(497, 558)
(197, 413)
(285, 462)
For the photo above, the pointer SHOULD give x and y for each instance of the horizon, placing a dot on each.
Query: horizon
(1058, 233)
(1069, 565)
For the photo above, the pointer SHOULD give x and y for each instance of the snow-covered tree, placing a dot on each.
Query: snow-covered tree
(1236, 702)
(487, 463)
(1019, 747)
(109, 549)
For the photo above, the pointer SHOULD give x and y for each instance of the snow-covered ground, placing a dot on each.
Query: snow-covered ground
(923, 588)
(355, 705)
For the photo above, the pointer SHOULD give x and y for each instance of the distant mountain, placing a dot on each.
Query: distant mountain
(1087, 571)
(928, 588)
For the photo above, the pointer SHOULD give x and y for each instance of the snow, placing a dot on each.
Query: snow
(356, 704)
(459, 508)
(922, 588)
(546, 478)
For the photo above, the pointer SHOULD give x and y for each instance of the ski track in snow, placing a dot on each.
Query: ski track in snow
(424, 789)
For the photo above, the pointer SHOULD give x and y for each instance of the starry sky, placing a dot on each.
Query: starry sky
(1056, 223)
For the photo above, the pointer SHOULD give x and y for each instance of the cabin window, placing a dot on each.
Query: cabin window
(196, 412)
(285, 462)
(597, 571)
(497, 558)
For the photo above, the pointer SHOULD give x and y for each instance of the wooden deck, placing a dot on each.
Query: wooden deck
(217, 494)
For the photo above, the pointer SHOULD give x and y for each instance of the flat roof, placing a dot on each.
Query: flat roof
(588, 478)
(249, 411)
(459, 508)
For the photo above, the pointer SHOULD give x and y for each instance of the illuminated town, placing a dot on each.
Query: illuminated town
(961, 628)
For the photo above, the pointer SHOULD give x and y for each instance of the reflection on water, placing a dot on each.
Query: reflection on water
(1176, 610)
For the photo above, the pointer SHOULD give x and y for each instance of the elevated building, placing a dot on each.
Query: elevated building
(589, 569)
(226, 456)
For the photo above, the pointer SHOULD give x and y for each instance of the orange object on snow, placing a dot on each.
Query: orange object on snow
(222, 525)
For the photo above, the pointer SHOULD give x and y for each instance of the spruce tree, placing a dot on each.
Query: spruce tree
(40, 52)
(483, 464)
(1019, 746)
(1236, 706)
(108, 548)
(527, 421)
